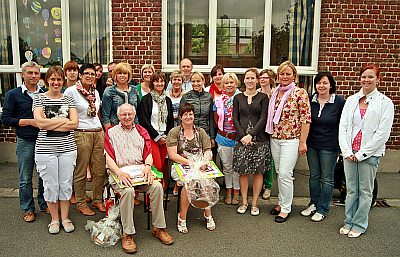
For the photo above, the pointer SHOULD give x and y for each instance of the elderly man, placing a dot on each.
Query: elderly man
(186, 68)
(17, 112)
(128, 144)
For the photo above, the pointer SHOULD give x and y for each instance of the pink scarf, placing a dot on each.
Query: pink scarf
(273, 118)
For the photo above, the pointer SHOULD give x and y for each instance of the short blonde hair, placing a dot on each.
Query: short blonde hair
(230, 76)
(146, 66)
(176, 73)
(285, 65)
(197, 74)
(122, 67)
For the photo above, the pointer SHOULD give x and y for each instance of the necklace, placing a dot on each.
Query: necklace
(174, 95)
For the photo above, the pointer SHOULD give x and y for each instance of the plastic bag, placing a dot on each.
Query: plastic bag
(202, 192)
(107, 231)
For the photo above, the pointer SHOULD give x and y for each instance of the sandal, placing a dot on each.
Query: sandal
(242, 208)
(182, 225)
(68, 226)
(210, 222)
(354, 234)
(344, 231)
(255, 211)
(54, 227)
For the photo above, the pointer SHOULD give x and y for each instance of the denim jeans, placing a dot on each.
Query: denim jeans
(322, 169)
(360, 184)
(25, 158)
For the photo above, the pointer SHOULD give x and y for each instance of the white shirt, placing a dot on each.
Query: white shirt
(33, 95)
(82, 105)
(161, 128)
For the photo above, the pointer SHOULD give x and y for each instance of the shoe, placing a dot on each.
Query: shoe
(354, 234)
(274, 211)
(242, 208)
(344, 231)
(128, 244)
(255, 211)
(267, 194)
(68, 226)
(85, 210)
(29, 216)
(235, 199)
(175, 191)
(163, 235)
(280, 219)
(228, 199)
(310, 210)
(54, 227)
(210, 223)
(46, 210)
(99, 206)
(182, 225)
(317, 217)
(339, 203)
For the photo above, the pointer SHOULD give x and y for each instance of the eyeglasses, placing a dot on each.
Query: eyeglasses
(89, 74)
(264, 77)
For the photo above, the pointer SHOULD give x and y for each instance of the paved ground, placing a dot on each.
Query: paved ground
(236, 235)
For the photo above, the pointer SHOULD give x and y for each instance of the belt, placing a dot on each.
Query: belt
(230, 135)
(89, 130)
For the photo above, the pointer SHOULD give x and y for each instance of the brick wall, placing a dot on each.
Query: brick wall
(7, 134)
(358, 32)
(136, 26)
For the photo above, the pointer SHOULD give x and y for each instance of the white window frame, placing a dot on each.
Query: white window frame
(212, 55)
(65, 26)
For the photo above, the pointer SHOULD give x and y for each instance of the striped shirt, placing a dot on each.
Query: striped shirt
(48, 141)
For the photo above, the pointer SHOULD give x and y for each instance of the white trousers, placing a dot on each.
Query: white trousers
(285, 154)
(56, 171)
(231, 177)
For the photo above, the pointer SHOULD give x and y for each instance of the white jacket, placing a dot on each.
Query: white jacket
(375, 126)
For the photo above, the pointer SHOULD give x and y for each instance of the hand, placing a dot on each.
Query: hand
(352, 158)
(246, 140)
(302, 148)
(109, 82)
(212, 142)
(124, 179)
(162, 141)
(147, 174)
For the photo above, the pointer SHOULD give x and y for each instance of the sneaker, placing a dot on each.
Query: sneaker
(267, 194)
(317, 217)
(310, 210)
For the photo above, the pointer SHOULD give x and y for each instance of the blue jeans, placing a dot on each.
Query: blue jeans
(26, 160)
(360, 184)
(322, 168)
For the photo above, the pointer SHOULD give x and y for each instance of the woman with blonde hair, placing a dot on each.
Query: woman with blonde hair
(289, 118)
(146, 72)
(119, 93)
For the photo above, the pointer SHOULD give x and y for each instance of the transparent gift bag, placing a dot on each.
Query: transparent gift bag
(107, 231)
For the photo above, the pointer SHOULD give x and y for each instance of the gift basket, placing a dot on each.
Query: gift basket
(202, 191)
(107, 231)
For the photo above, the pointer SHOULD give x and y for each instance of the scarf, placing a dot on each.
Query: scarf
(273, 118)
(214, 89)
(162, 106)
(89, 95)
(228, 104)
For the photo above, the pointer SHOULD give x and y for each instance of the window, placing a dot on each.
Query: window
(240, 34)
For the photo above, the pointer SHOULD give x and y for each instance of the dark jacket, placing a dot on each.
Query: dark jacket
(203, 106)
(144, 115)
(18, 105)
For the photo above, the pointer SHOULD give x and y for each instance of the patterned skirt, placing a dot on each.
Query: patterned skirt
(252, 159)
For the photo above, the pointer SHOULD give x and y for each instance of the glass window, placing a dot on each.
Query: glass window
(39, 28)
(5, 34)
(188, 31)
(7, 82)
(292, 31)
(240, 34)
(90, 31)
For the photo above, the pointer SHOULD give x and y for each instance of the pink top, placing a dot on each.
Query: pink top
(357, 140)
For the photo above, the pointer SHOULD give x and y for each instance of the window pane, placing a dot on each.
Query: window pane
(7, 82)
(187, 31)
(240, 41)
(39, 28)
(292, 31)
(90, 31)
(307, 82)
(5, 34)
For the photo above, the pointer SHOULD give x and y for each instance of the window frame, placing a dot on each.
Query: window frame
(212, 50)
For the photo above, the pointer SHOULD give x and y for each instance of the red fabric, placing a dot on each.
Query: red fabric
(142, 131)
(214, 89)
(159, 153)
(357, 140)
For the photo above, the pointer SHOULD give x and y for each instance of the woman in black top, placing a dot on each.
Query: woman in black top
(323, 144)
(249, 119)
(156, 116)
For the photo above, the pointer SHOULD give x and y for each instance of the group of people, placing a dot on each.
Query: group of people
(73, 131)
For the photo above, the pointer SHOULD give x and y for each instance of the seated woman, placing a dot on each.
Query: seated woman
(55, 151)
(194, 140)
